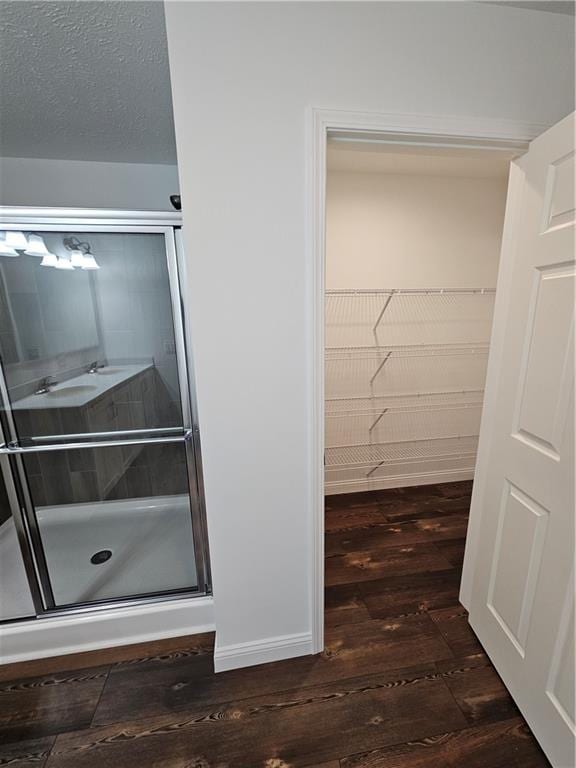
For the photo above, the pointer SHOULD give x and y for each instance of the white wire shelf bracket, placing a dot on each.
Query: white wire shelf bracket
(405, 372)
(372, 457)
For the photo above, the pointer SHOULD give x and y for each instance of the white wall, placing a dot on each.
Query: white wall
(71, 183)
(408, 231)
(243, 75)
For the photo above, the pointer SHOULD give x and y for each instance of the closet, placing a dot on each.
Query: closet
(413, 238)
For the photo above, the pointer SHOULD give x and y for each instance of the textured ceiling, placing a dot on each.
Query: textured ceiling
(85, 80)
(89, 79)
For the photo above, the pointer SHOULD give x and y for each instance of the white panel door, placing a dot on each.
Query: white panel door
(522, 599)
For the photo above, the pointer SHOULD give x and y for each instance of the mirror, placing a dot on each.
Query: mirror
(44, 312)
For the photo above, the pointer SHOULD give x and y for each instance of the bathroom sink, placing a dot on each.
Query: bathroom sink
(78, 389)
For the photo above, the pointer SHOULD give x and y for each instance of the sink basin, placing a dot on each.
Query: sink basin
(78, 389)
(108, 370)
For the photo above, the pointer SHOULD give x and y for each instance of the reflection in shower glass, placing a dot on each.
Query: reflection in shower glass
(89, 350)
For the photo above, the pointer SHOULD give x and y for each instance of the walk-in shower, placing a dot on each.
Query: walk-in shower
(101, 501)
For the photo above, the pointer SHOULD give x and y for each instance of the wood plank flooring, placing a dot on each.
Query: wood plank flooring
(402, 683)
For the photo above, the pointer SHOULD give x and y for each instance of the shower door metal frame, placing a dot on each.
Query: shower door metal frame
(12, 451)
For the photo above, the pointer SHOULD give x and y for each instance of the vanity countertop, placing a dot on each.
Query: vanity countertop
(82, 390)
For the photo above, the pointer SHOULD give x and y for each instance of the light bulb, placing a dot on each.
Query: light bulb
(63, 263)
(50, 260)
(5, 250)
(90, 262)
(16, 240)
(36, 246)
(77, 258)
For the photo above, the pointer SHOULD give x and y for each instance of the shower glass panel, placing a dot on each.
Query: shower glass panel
(15, 596)
(119, 520)
(89, 350)
(99, 434)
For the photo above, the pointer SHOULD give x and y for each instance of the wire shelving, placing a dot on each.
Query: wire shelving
(405, 372)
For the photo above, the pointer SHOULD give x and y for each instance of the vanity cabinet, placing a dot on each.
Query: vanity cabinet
(98, 474)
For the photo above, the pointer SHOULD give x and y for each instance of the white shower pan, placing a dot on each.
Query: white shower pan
(148, 543)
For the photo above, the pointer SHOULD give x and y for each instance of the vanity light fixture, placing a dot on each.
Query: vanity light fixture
(5, 249)
(80, 254)
(50, 260)
(16, 240)
(77, 258)
(63, 262)
(36, 246)
(13, 243)
(90, 262)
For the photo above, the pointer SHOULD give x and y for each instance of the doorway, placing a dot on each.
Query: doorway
(510, 138)
(412, 248)
(538, 240)
(413, 236)
(493, 139)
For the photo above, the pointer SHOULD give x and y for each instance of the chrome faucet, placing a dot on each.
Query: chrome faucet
(45, 385)
(93, 367)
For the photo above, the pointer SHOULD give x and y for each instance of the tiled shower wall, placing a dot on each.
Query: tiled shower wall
(104, 474)
(100, 474)
(134, 306)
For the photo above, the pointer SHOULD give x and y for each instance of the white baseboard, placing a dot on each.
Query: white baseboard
(61, 635)
(398, 481)
(262, 651)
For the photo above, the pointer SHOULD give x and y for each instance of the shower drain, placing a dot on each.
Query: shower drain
(101, 557)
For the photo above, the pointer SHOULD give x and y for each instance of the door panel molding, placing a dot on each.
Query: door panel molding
(526, 580)
(545, 367)
(564, 651)
(558, 208)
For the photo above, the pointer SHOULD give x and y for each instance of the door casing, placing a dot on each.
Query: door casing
(401, 129)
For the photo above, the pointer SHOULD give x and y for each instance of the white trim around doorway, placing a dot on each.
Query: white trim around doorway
(412, 129)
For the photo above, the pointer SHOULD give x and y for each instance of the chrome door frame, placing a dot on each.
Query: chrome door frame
(10, 473)
(120, 222)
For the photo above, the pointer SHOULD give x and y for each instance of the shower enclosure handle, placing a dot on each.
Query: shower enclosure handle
(12, 449)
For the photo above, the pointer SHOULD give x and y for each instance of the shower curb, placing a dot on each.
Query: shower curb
(92, 630)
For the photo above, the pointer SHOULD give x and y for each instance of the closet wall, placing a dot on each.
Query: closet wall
(413, 243)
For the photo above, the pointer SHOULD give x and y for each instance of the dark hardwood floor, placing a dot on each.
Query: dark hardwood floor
(403, 682)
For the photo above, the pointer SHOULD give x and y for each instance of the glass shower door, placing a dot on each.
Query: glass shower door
(97, 413)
